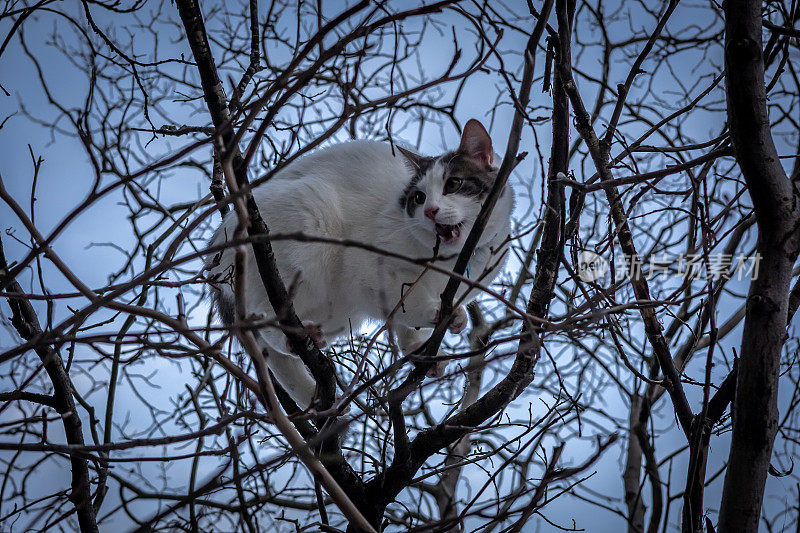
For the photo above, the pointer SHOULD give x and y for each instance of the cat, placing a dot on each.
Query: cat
(381, 195)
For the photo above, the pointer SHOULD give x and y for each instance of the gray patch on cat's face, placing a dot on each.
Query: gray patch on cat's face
(420, 166)
(476, 178)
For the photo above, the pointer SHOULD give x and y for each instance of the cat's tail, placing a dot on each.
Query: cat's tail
(224, 305)
(218, 267)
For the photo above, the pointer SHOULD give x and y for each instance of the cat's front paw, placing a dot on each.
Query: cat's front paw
(459, 321)
(315, 332)
(438, 368)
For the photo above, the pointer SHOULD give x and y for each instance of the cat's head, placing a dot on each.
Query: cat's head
(445, 193)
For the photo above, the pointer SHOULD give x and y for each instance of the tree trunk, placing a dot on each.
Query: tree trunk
(633, 467)
(775, 203)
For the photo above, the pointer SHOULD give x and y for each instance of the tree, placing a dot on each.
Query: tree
(654, 254)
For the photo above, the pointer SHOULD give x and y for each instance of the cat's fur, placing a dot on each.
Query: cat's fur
(366, 192)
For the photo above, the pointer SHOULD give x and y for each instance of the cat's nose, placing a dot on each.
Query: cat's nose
(430, 212)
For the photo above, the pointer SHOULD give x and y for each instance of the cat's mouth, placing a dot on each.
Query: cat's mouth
(449, 232)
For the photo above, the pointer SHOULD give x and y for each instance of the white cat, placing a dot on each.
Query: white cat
(394, 200)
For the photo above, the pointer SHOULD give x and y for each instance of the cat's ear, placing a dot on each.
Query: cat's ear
(476, 143)
(415, 160)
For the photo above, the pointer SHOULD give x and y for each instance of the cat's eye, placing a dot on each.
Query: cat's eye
(419, 197)
(452, 185)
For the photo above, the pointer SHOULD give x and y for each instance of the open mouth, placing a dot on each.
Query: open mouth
(448, 232)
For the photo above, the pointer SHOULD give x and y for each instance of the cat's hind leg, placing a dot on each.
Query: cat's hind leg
(288, 369)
